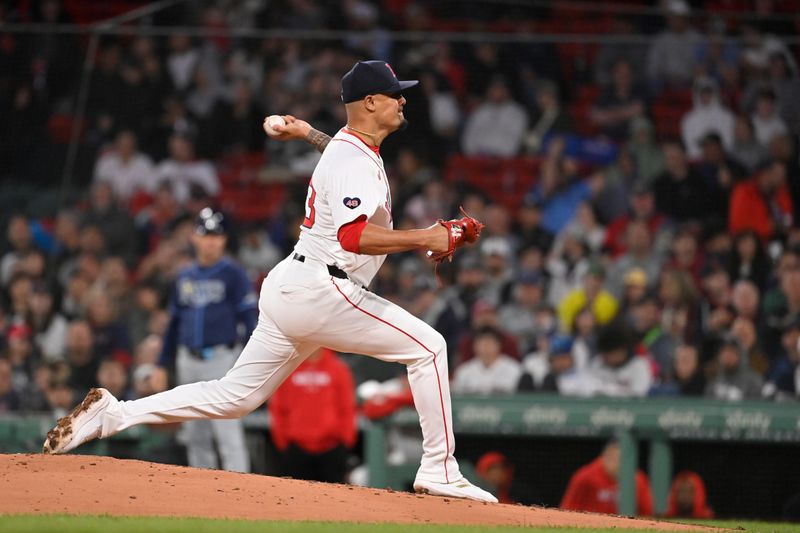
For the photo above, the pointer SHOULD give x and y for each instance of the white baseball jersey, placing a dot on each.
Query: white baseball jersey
(349, 183)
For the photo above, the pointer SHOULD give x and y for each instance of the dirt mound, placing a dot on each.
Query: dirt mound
(100, 485)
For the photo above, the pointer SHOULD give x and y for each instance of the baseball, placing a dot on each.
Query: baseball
(271, 121)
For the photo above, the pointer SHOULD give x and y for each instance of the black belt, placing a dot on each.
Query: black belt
(197, 353)
(334, 271)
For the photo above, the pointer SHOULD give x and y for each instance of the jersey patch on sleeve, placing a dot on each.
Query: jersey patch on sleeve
(351, 203)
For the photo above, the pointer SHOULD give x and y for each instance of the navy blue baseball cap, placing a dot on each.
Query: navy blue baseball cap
(371, 77)
(209, 222)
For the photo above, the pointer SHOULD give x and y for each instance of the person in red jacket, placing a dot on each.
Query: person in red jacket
(687, 497)
(594, 487)
(762, 204)
(313, 419)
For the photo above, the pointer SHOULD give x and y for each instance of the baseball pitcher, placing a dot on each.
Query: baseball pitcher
(317, 296)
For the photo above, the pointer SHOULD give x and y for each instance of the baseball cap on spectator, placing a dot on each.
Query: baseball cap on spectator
(469, 262)
(371, 77)
(530, 277)
(560, 345)
(489, 460)
(19, 331)
(635, 276)
(678, 7)
(409, 266)
(496, 246)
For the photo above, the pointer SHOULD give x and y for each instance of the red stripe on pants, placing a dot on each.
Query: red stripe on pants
(436, 369)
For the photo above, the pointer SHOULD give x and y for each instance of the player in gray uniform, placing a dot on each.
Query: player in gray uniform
(213, 305)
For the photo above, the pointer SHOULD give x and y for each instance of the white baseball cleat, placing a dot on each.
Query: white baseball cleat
(456, 489)
(83, 424)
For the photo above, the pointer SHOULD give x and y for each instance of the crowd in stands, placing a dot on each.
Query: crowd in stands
(654, 248)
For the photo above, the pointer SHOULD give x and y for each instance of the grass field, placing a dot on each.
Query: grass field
(103, 524)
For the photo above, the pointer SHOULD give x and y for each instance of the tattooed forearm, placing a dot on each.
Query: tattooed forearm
(318, 140)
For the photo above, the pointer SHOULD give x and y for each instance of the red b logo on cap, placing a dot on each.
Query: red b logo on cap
(390, 69)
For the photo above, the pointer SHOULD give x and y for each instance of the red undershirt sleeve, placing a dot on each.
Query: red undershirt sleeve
(349, 234)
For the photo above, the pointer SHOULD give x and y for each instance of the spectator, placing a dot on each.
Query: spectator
(619, 104)
(746, 150)
(785, 82)
(531, 232)
(591, 295)
(687, 497)
(497, 471)
(484, 314)
(518, 316)
(744, 330)
(181, 61)
(49, 327)
(616, 371)
(679, 300)
(706, 116)
(680, 192)
(647, 156)
(567, 266)
(124, 168)
(745, 300)
(20, 240)
(110, 337)
(9, 399)
(767, 123)
(642, 207)
(113, 376)
(498, 257)
(182, 170)
(659, 344)
(114, 223)
(612, 52)
(687, 255)
(257, 253)
(20, 288)
(490, 371)
(497, 126)
(762, 204)
(783, 380)
(688, 376)
(594, 487)
(749, 261)
(562, 375)
(559, 190)
(552, 118)
(83, 363)
(735, 381)
(640, 254)
(314, 418)
(671, 58)
(721, 173)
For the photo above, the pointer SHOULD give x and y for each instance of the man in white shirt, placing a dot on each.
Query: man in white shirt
(498, 126)
(124, 168)
(182, 170)
(490, 371)
(616, 371)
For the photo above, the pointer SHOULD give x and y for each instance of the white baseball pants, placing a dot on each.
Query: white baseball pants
(302, 307)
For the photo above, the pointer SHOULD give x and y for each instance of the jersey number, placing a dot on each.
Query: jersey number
(311, 213)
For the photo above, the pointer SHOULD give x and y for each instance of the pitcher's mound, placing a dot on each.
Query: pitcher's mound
(78, 484)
